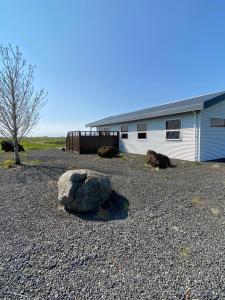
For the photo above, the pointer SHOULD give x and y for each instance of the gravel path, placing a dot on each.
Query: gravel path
(171, 241)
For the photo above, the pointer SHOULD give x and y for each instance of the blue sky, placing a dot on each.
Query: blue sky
(103, 57)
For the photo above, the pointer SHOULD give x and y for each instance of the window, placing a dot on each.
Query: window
(124, 136)
(173, 129)
(141, 127)
(173, 124)
(124, 128)
(142, 135)
(217, 122)
(173, 135)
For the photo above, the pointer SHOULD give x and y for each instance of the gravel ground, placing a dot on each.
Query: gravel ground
(170, 245)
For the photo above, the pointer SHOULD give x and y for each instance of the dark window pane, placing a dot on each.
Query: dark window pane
(173, 124)
(217, 122)
(124, 135)
(141, 127)
(124, 128)
(142, 135)
(173, 135)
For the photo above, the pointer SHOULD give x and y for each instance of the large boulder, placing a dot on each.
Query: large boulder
(157, 160)
(108, 151)
(83, 190)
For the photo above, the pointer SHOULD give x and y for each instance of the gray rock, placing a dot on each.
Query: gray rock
(83, 190)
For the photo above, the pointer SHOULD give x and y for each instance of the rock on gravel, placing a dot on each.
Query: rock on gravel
(83, 190)
(157, 160)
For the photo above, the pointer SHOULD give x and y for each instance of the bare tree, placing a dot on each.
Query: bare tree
(20, 104)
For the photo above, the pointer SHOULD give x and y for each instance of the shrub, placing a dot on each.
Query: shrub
(8, 146)
(108, 151)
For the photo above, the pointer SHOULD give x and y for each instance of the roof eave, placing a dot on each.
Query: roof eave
(214, 101)
(148, 116)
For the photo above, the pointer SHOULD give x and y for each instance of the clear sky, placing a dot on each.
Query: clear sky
(98, 58)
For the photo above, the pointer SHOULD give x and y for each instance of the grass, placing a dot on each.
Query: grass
(215, 211)
(42, 143)
(7, 163)
(123, 157)
(197, 200)
(32, 162)
(184, 252)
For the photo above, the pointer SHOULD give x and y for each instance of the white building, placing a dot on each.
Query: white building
(191, 129)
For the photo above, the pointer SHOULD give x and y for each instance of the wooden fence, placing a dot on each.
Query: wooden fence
(88, 142)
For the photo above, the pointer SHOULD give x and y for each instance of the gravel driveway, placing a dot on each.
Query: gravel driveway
(171, 245)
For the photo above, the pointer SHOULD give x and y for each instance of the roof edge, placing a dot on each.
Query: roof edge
(122, 118)
(147, 116)
(214, 100)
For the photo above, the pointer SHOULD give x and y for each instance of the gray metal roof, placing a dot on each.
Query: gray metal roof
(186, 105)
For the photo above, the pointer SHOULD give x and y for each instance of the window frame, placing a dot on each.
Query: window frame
(210, 125)
(142, 124)
(141, 132)
(124, 133)
(124, 130)
(170, 130)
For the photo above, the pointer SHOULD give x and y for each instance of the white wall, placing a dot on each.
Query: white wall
(184, 149)
(212, 138)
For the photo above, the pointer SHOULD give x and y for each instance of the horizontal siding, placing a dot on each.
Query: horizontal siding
(212, 138)
(184, 149)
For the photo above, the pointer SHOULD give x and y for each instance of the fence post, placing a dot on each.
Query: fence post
(69, 142)
(99, 140)
(79, 145)
(72, 140)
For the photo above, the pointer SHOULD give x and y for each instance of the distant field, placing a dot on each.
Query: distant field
(39, 143)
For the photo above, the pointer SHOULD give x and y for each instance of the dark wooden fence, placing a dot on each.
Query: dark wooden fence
(88, 142)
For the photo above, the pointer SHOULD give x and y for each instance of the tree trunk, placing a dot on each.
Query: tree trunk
(16, 152)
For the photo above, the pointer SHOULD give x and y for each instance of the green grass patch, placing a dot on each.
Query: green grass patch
(41, 143)
(197, 200)
(184, 252)
(123, 157)
(7, 163)
(32, 162)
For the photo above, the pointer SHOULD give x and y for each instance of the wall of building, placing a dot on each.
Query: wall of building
(212, 144)
(156, 137)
